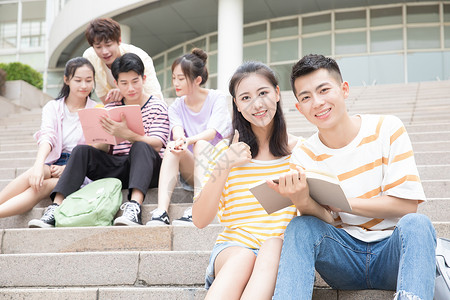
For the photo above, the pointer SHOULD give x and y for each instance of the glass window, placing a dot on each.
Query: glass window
(7, 58)
(318, 44)
(354, 42)
(284, 50)
(35, 60)
(174, 54)
(446, 12)
(212, 82)
(355, 70)
(425, 66)
(385, 69)
(168, 75)
(284, 28)
(160, 78)
(423, 38)
(351, 19)
(159, 63)
(55, 77)
(447, 36)
(283, 74)
(255, 33)
(422, 14)
(8, 33)
(33, 16)
(8, 13)
(386, 40)
(25, 42)
(8, 25)
(446, 58)
(386, 16)
(212, 61)
(213, 43)
(53, 91)
(197, 44)
(256, 52)
(316, 23)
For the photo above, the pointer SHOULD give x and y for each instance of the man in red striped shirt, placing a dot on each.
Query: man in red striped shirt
(136, 161)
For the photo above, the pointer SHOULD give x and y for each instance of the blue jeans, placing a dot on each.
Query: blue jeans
(404, 262)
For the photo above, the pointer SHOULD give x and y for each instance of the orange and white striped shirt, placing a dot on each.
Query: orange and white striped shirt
(245, 220)
(379, 161)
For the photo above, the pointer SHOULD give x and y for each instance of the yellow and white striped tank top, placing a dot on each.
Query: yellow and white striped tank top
(245, 220)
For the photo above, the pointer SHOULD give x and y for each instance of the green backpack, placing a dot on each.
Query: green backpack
(96, 204)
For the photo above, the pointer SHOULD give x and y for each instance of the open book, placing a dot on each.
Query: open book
(324, 188)
(93, 130)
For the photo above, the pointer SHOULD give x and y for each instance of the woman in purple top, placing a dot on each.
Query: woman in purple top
(60, 132)
(198, 114)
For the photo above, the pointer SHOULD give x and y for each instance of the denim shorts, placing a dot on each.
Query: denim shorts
(62, 160)
(209, 276)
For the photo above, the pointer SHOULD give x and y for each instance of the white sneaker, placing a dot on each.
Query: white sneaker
(185, 220)
(159, 218)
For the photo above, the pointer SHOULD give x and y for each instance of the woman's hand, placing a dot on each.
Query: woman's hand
(56, 171)
(237, 154)
(36, 179)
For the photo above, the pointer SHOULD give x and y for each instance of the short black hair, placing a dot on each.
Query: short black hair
(126, 63)
(313, 62)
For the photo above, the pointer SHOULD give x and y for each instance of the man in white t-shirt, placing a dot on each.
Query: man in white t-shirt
(382, 243)
(104, 36)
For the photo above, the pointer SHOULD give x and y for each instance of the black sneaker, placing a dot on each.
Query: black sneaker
(131, 215)
(186, 219)
(159, 217)
(47, 220)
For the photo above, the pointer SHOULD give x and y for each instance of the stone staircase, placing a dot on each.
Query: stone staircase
(169, 262)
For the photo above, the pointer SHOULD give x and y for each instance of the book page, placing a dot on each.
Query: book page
(323, 189)
(92, 128)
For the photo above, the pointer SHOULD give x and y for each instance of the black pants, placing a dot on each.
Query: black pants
(138, 170)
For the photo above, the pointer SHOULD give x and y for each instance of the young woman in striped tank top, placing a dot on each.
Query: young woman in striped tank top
(244, 261)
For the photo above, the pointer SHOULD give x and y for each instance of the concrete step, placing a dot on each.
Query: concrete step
(176, 210)
(436, 188)
(16, 163)
(434, 172)
(18, 154)
(165, 293)
(106, 293)
(114, 269)
(118, 238)
(437, 209)
(431, 146)
(109, 238)
(432, 157)
(17, 139)
(125, 268)
(10, 146)
(429, 136)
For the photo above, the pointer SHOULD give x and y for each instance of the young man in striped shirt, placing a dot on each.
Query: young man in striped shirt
(136, 161)
(382, 243)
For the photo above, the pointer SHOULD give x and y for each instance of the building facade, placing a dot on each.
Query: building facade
(387, 42)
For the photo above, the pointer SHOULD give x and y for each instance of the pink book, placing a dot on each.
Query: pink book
(93, 130)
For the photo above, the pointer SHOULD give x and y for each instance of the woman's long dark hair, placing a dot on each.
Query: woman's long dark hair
(69, 71)
(278, 144)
